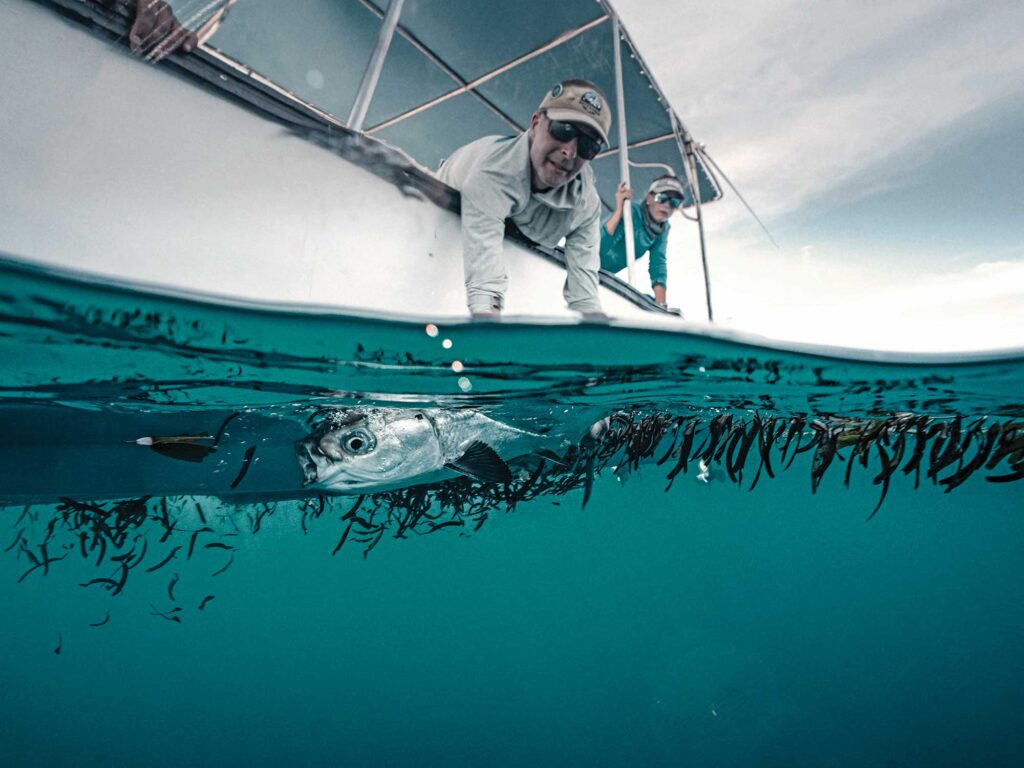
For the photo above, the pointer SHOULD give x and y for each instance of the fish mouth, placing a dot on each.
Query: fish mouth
(317, 466)
(306, 451)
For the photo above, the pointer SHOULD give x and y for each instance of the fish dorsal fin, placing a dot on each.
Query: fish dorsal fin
(480, 462)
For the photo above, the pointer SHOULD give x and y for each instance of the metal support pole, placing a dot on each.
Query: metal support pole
(372, 73)
(690, 161)
(620, 105)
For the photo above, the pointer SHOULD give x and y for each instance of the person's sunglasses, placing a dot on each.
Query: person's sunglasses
(587, 146)
(674, 201)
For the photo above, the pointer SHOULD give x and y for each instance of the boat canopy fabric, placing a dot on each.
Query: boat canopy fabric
(456, 70)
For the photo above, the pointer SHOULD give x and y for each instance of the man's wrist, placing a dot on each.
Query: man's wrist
(483, 304)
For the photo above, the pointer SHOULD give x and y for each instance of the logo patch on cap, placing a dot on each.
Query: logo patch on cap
(556, 91)
(591, 103)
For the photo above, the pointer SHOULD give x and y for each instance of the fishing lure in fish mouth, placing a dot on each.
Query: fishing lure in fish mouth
(355, 450)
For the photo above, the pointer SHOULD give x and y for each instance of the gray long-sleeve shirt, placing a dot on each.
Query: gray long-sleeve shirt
(493, 176)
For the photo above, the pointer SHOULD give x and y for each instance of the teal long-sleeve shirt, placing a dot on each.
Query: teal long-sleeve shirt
(613, 247)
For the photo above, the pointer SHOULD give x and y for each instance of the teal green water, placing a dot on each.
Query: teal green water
(707, 624)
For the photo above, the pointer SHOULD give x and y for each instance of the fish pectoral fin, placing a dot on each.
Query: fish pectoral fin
(480, 462)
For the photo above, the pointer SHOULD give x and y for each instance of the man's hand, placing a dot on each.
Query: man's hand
(156, 32)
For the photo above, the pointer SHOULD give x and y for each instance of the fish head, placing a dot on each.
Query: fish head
(354, 450)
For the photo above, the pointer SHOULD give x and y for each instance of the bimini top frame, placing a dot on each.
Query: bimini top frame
(452, 71)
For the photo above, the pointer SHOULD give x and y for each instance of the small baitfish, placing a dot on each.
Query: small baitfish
(360, 450)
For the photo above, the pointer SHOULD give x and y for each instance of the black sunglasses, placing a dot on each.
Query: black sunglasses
(674, 201)
(587, 146)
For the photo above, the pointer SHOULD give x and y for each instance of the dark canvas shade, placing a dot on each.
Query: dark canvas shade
(456, 70)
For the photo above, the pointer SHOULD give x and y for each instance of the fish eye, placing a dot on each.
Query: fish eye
(358, 442)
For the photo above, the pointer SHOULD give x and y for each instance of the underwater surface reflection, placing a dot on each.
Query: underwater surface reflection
(243, 536)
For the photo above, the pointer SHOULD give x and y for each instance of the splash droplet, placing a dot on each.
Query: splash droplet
(447, 343)
(465, 384)
(431, 330)
(457, 366)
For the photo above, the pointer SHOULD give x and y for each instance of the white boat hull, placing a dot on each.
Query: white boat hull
(115, 167)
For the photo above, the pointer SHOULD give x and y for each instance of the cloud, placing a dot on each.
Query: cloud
(978, 308)
(798, 101)
(822, 294)
(812, 105)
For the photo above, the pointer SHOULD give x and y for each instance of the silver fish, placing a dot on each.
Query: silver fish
(360, 450)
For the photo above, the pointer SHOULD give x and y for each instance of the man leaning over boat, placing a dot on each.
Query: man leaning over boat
(542, 183)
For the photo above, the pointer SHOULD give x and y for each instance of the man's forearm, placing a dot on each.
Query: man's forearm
(483, 263)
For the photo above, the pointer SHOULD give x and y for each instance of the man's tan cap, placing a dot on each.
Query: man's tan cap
(579, 101)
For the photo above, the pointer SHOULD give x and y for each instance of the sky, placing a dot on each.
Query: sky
(881, 143)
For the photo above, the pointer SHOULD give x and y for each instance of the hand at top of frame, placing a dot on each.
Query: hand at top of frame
(156, 32)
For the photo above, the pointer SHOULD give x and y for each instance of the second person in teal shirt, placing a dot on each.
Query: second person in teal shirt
(650, 230)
